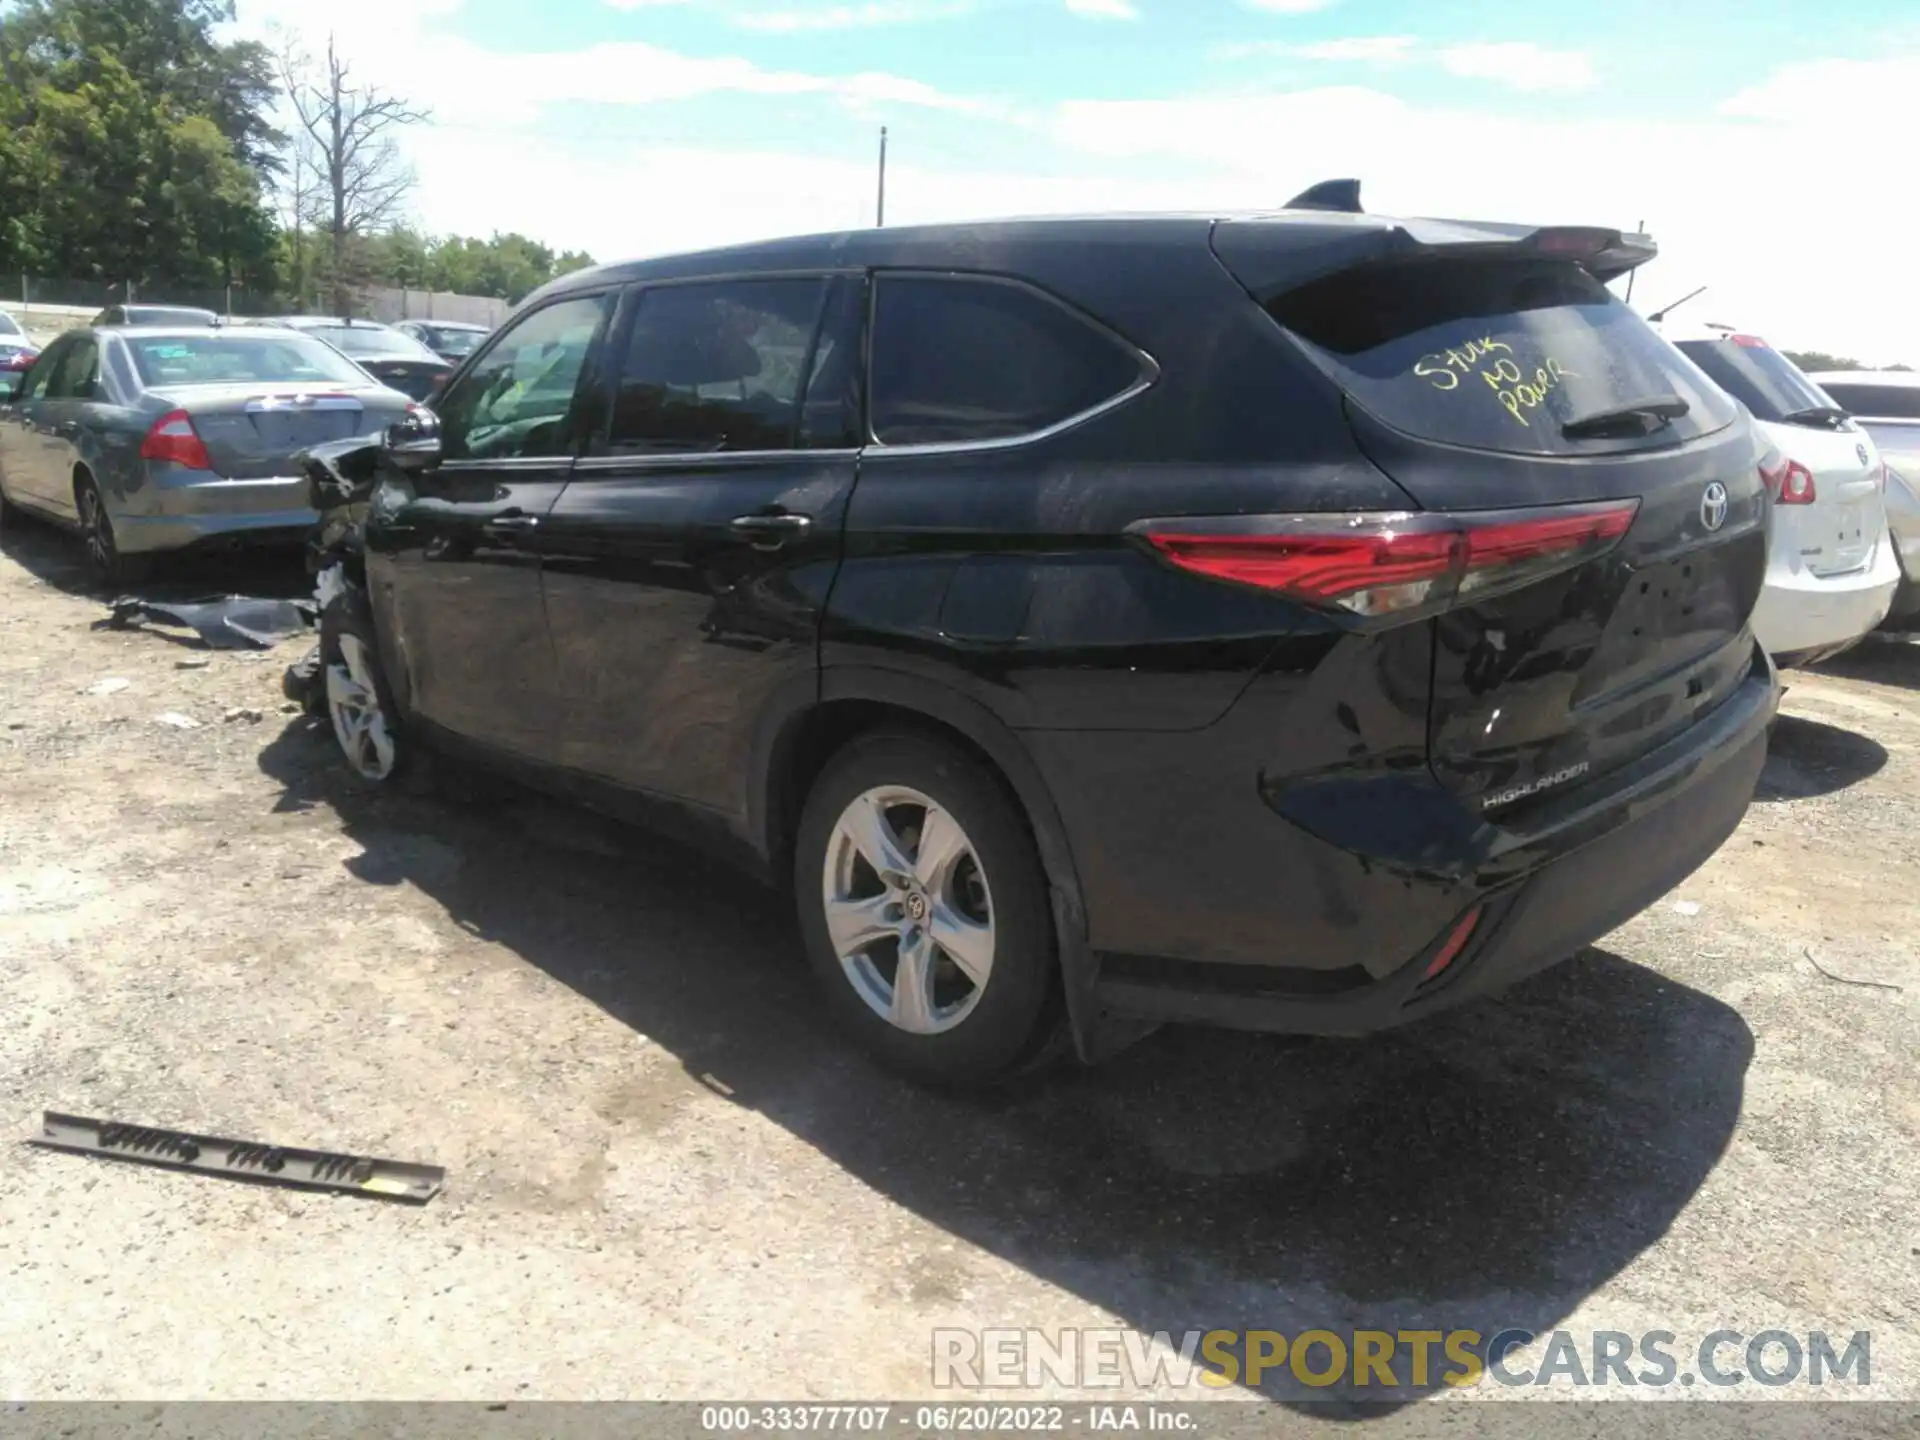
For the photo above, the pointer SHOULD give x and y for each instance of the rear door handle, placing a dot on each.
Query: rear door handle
(770, 530)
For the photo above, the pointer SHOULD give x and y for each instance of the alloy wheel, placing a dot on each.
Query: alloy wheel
(908, 910)
(353, 704)
(98, 530)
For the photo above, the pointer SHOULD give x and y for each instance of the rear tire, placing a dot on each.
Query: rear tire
(912, 854)
(106, 565)
(357, 700)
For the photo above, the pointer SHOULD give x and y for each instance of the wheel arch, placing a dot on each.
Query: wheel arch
(801, 736)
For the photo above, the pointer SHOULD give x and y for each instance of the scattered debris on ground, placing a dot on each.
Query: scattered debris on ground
(243, 1159)
(225, 622)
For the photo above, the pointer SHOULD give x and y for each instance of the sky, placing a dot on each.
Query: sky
(1767, 145)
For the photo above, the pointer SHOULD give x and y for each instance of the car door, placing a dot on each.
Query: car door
(60, 416)
(24, 460)
(455, 549)
(687, 564)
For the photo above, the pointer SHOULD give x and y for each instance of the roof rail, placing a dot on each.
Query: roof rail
(1340, 195)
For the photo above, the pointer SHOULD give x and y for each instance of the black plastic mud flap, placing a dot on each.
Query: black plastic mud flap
(242, 1159)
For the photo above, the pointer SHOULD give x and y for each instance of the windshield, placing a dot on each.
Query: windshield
(1497, 354)
(1882, 402)
(371, 342)
(1759, 377)
(231, 359)
(7, 325)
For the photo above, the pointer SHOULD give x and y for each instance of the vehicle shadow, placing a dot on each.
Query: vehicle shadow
(1882, 658)
(53, 556)
(1806, 758)
(1486, 1170)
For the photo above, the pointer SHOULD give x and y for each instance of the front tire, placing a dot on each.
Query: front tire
(924, 909)
(358, 702)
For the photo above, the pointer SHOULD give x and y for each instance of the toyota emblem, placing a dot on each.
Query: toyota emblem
(1713, 506)
(1861, 451)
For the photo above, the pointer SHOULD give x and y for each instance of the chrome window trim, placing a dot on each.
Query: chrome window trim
(876, 447)
(704, 459)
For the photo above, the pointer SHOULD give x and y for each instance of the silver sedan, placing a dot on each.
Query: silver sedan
(154, 440)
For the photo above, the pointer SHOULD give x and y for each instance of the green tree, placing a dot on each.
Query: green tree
(132, 143)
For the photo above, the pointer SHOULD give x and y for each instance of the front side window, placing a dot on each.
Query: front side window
(716, 367)
(518, 399)
(959, 360)
(34, 387)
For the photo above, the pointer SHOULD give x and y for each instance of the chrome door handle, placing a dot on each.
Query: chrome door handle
(770, 531)
(510, 524)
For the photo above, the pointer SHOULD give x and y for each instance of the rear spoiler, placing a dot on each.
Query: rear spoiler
(1323, 230)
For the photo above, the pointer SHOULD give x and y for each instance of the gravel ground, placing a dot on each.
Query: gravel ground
(667, 1179)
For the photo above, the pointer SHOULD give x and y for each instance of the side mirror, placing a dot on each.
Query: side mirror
(413, 444)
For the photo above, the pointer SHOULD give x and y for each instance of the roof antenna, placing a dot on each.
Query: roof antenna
(1339, 195)
(1659, 315)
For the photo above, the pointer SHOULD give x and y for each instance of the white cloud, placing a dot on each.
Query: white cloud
(1831, 276)
(1376, 48)
(1521, 64)
(1104, 9)
(848, 17)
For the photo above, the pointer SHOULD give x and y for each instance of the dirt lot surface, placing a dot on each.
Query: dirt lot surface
(666, 1178)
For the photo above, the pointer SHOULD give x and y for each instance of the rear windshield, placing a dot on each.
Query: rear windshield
(162, 315)
(7, 327)
(1759, 377)
(1497, 354)
(371, 341)
(238, 359)
(458, 342)
(1883, 402)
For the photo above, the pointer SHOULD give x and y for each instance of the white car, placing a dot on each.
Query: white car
(1831, 569)
(1886, 404)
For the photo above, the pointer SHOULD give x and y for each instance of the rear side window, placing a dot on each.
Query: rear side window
(1759, 377)
(1497, 354)
(958, 360)
(716, 367)
(1882, 402)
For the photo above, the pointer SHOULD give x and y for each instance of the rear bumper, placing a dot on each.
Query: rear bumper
(146, 534)
(179, 511)
(1800, 615)
(1546, 887)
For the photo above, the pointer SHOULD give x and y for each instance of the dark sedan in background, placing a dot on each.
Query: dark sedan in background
(383, 352)
(151, 440)
(451, 340)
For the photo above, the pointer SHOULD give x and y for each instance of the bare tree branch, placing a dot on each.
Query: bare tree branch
(347, 139)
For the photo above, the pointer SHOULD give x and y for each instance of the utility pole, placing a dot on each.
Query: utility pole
(880, 218)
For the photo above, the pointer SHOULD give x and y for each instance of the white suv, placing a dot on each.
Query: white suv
(1831, 569)
(1886, 404)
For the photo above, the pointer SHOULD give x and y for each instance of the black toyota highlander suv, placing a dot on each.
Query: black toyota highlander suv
(1298, 621)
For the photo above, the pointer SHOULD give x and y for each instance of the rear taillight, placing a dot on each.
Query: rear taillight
(173, 438)
(1455, 942)
(19, 360)
(1378, 565)
(1790, 482)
